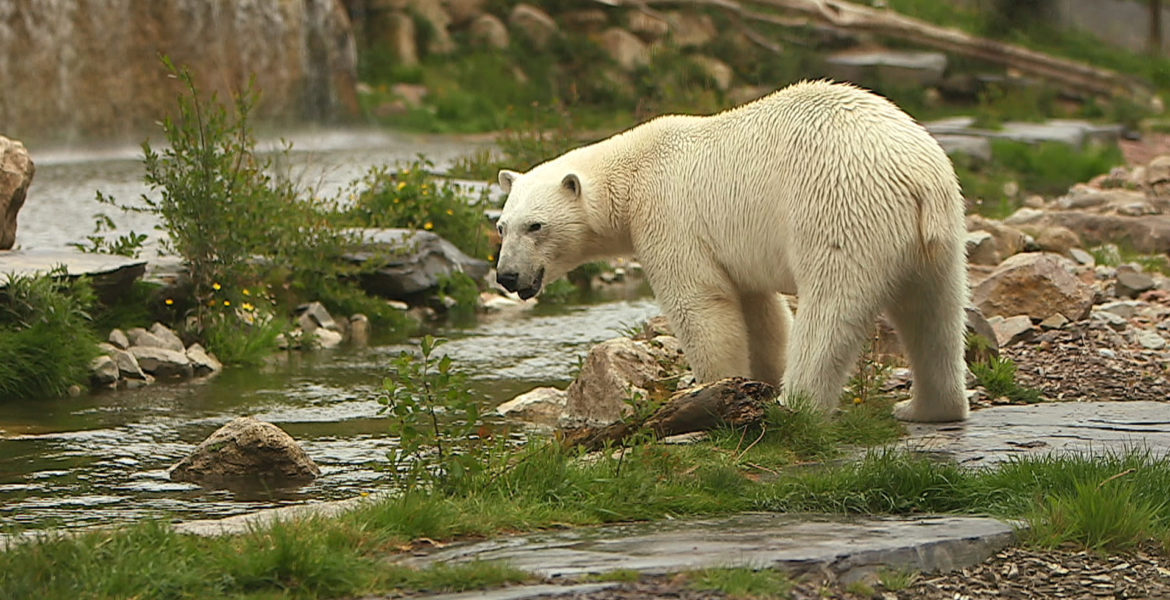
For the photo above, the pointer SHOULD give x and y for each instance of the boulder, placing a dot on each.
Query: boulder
(1011, 330)
(978, 325)
(1082, 257)
(542, 406)
(16, 173)
(1035, 284)
(1008, 240)
(588, 21)
(203, 362)
(247, 453)
(313, 316)
(1144, 234)
(614, 372)
(901, 68)
(648, 27)
(412, 262)
(432, 12)
(715, 70)
(141, 337)
(326, 338)
(487, 31)
(690, 29)
(1054, 238)
(1157, 175)
(128, 367)
(161, 362)
(118, 339)
(1130, 283)
(981, 248)
(462, 12)
(533, 23)
(103, 371)
(169, 339)
(624, 48)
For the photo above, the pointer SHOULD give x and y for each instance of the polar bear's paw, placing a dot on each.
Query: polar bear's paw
(913, 410)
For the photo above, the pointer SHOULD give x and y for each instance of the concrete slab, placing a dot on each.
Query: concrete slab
(1000, 433)
(109, 272)
(848, 546)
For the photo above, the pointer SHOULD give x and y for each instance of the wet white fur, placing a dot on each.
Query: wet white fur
(819, 189)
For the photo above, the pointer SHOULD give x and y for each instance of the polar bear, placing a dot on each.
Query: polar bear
(821, 189)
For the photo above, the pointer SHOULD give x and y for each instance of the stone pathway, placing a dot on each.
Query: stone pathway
(996, 434)
(847, 547)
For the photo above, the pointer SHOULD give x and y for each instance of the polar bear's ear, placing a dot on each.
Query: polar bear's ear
(572, 183)
(506, 178)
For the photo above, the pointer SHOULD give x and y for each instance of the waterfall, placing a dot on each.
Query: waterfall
(85, 70)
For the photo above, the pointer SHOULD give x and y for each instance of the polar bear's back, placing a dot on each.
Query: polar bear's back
(814, 161)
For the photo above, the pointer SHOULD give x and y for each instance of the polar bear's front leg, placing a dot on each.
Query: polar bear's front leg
(710, 325)
(768, 321)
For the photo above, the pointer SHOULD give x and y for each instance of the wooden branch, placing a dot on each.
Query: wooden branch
(735, 402)
(841, 14)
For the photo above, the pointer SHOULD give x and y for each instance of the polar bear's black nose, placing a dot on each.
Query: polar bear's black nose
(508, 280)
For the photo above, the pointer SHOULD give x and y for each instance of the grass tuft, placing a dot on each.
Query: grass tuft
(742, 582)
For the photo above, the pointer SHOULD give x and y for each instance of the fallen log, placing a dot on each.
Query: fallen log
(733, 402)
(1073, 75)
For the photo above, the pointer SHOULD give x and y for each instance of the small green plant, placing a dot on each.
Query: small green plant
(129, 244)
(46, 335)
(896, 580)
(742, 582)
(998, 377)
(481, 164)
(412, 198)
(561, 291)
(444, 442)
(463, 291)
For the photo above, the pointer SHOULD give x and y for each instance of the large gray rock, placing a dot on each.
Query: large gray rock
(16, 173)
(161, 362)
(111, 275)
(412, 261)
(128, 367)
(978, 148)
(170, 339)
(202, 361)
(691, 29)
(1035, 284)
(1145, 234)
(614, 372)
(543, 406)
(435, 16)
(900, 68)
(247, 453)
(103, 370)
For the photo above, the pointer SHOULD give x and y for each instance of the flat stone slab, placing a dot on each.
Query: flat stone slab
(995, 434)
(848, 546)
(105, 267)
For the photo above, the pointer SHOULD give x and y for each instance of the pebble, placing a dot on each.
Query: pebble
(1150, 340)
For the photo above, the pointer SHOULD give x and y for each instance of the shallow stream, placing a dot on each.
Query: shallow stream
(102, 459)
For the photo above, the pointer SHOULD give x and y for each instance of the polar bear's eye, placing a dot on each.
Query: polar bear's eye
(533, 228)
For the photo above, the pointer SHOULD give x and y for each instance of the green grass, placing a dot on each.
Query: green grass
(1106, 503)
(741, 582)
(998, 377)
(46, 336)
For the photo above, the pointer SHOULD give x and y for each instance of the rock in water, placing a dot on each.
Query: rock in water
(247, 454)
(16, 173)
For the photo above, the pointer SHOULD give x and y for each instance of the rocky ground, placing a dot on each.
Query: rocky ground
(1013, 573)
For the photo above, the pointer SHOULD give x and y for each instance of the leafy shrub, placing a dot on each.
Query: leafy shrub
(410, 197)
(443, 440)
(46, 337)
(998, 377)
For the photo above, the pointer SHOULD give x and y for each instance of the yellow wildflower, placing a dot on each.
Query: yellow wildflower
(450, 211)
(428, 226)
(857, 400)
(216, 287)
(406, 171)
(169, 301)
(248, 306)
(227, 302)
(401, 185)
(246, 292)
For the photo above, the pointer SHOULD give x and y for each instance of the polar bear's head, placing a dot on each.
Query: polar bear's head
(544, 226)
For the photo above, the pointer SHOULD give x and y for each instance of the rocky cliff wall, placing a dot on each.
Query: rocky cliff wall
(89, 69)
